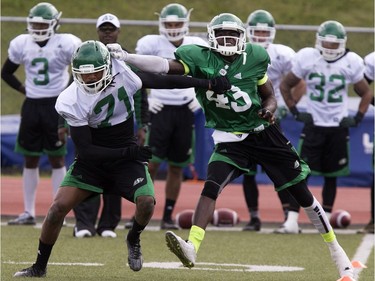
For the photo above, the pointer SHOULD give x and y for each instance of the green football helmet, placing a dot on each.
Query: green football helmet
(44, 13)
(174, 13)
(226, 21)
(261, 20)
(332, 32)
(91, 57)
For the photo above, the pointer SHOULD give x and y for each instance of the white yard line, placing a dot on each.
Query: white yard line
(363, 253)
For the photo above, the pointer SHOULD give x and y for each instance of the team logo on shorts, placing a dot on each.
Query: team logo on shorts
(137, 181)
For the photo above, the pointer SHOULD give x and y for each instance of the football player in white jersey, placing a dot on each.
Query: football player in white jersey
(171, 129)
(370, 77)
(328, 70)
(99, 109)
(261, 31)
(86, 213)
(46, 56)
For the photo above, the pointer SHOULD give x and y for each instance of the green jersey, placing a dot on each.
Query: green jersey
(235, 110)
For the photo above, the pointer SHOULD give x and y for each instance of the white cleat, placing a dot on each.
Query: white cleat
(290, 228)
(184, 250)
(83, 233)
(108, 234)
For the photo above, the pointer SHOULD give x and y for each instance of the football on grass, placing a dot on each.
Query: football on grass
(225, 217)
(340, 219)
(184, 219)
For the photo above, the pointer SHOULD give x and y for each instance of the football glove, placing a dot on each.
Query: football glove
(351, 121)
(117, 52)
(135, 152)
(154, 105)
(219, 84)
(302, 116)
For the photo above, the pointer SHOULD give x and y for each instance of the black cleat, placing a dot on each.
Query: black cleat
(135, 258)
(169, 224)
(31, 271)
(253, 225)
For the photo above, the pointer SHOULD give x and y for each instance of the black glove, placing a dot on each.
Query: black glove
(350, 121)
(220, 84)
(301, 116)
(135, 152)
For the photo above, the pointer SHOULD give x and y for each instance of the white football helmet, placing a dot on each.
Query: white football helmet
(174, 13)
(43, 13)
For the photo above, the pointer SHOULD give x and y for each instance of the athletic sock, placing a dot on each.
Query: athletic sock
(57, 178)
(292, 218)
(135, 232)
(30, 178)
(44, 252)
(254, 214)
(168, 209)
(320, 220)
(196, 236)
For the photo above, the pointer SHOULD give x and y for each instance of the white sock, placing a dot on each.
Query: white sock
(328, 215)
(292, 218)
(318, 217)
(30, 178)
(57, 177)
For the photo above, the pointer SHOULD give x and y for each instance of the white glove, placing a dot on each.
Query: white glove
(154, 105)
(194, 105)
(117, 52)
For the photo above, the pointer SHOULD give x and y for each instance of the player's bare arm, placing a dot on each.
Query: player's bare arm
(286, 86)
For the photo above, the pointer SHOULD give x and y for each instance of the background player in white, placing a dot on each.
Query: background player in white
(171, 129)
(261, 31)
(46, 57)
(370, 77)
(328, 70)
(99, 108)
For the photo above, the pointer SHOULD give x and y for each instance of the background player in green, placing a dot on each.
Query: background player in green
(245, 133)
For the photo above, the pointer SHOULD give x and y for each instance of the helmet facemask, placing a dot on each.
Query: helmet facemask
(263, 41)
(332, 33)
(327, 53)
(174, 13)
(89, 59)
(227, 22)
(43, 13)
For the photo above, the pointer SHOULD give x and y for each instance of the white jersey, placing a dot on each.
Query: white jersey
(370, 66)
(158, 45)
(281, 63)
(46, 68)
(327, 84)
(111, 107)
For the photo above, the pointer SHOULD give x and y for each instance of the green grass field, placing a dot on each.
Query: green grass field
(224, 255)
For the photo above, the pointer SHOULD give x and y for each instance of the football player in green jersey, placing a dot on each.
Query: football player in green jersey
(244, 126)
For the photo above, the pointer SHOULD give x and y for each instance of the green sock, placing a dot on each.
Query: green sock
(196, 236)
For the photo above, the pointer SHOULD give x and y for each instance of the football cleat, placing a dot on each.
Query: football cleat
(184, 250)
(291, 228)
(83, 233)
(135, 258)
(169, 224)
(23, 219)
(31, 271)
(253, 225)
(108, 233)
